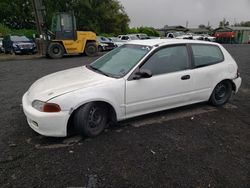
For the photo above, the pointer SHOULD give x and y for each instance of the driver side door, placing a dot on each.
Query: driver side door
(171, 84)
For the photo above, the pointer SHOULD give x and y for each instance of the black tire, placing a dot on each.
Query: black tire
(100, 49)
(55, 50)
(90, 119)
(221, 93)
(91, 49)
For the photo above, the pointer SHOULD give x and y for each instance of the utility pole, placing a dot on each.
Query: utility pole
(39, 10)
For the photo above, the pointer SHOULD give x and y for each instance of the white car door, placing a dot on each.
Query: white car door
(171, 84)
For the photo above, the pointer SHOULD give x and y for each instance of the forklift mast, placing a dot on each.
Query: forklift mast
(39, 10)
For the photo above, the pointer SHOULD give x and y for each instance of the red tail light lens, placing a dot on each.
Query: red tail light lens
(238, 73)
(51, 107)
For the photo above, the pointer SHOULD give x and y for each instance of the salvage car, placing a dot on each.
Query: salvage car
(104, 44)
(137, 78)
(18, 45)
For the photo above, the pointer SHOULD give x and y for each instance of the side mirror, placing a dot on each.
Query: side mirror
(142, 73)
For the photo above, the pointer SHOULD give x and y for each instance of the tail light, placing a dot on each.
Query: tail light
(238, 73)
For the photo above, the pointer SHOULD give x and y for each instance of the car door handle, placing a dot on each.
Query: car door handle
(186, 77)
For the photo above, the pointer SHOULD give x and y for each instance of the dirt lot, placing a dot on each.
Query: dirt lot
(193, 146)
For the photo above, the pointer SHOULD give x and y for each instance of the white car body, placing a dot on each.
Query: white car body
(129, 98)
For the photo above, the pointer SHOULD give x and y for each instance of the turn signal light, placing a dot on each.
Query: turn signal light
(51, 107)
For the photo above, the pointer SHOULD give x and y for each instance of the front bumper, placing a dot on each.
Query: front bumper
(25, 50)
(237, 83)
(47, 124)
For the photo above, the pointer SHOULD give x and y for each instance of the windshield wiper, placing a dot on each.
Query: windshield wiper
(98, 70)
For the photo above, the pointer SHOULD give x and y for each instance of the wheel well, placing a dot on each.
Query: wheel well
(112, 117)
(89, 41)
(59, 42)
(232, 83)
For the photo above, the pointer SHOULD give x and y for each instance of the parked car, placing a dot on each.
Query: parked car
(179, 35)
(209, 38)
(105, 44)
(130, 37)
(197, 37)
(1, 45)
(18, 45)
(142, 36)
(118, 42)
(137, 78)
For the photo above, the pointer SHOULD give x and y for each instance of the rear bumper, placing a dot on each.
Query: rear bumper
(47, 124)
(237, 83)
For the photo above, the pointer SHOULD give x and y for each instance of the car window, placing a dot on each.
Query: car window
(19, 39)
(167, 60)
(125, 38)
(205, 55)
(132, 37)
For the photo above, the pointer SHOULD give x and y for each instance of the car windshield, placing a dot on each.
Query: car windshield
(133, 37)
(177, 34)
(120, 61)
(114, 39)
(19, 39)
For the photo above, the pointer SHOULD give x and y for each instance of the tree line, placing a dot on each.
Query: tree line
(100, 16)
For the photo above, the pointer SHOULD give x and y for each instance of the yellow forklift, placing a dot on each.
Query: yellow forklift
(63, 37)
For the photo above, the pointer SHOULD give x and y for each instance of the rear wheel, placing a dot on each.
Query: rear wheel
(91, 49)
(221, 94)
(91, 119)
(55, 50)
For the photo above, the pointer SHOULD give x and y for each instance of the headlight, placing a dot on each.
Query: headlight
(45, 107)
(38, 105)
(103, 44)
(14, 45)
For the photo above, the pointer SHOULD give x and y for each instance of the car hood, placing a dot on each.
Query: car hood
(64, 82)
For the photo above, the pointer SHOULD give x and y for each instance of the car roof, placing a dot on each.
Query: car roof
(162, 42)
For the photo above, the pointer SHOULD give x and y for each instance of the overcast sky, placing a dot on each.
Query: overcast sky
(157, 13)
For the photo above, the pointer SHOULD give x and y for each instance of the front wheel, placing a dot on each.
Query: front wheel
(91, 49)
(221, 93)
(90, 119)
(55, 50)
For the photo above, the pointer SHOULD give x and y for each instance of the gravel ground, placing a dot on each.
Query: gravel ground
(193, 146)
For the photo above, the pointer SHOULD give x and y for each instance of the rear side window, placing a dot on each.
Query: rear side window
(205, 55)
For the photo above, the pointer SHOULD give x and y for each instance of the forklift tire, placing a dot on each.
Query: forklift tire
(91, 49)
(55, 50)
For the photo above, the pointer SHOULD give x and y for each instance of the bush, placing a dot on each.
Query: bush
(4, 30)
(26, 32)
(150, 31)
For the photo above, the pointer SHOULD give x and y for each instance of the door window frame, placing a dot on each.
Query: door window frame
(189, 63)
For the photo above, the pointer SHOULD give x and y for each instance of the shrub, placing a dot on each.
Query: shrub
(4, 30)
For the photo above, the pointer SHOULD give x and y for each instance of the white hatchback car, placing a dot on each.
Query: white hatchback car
(137, 78)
